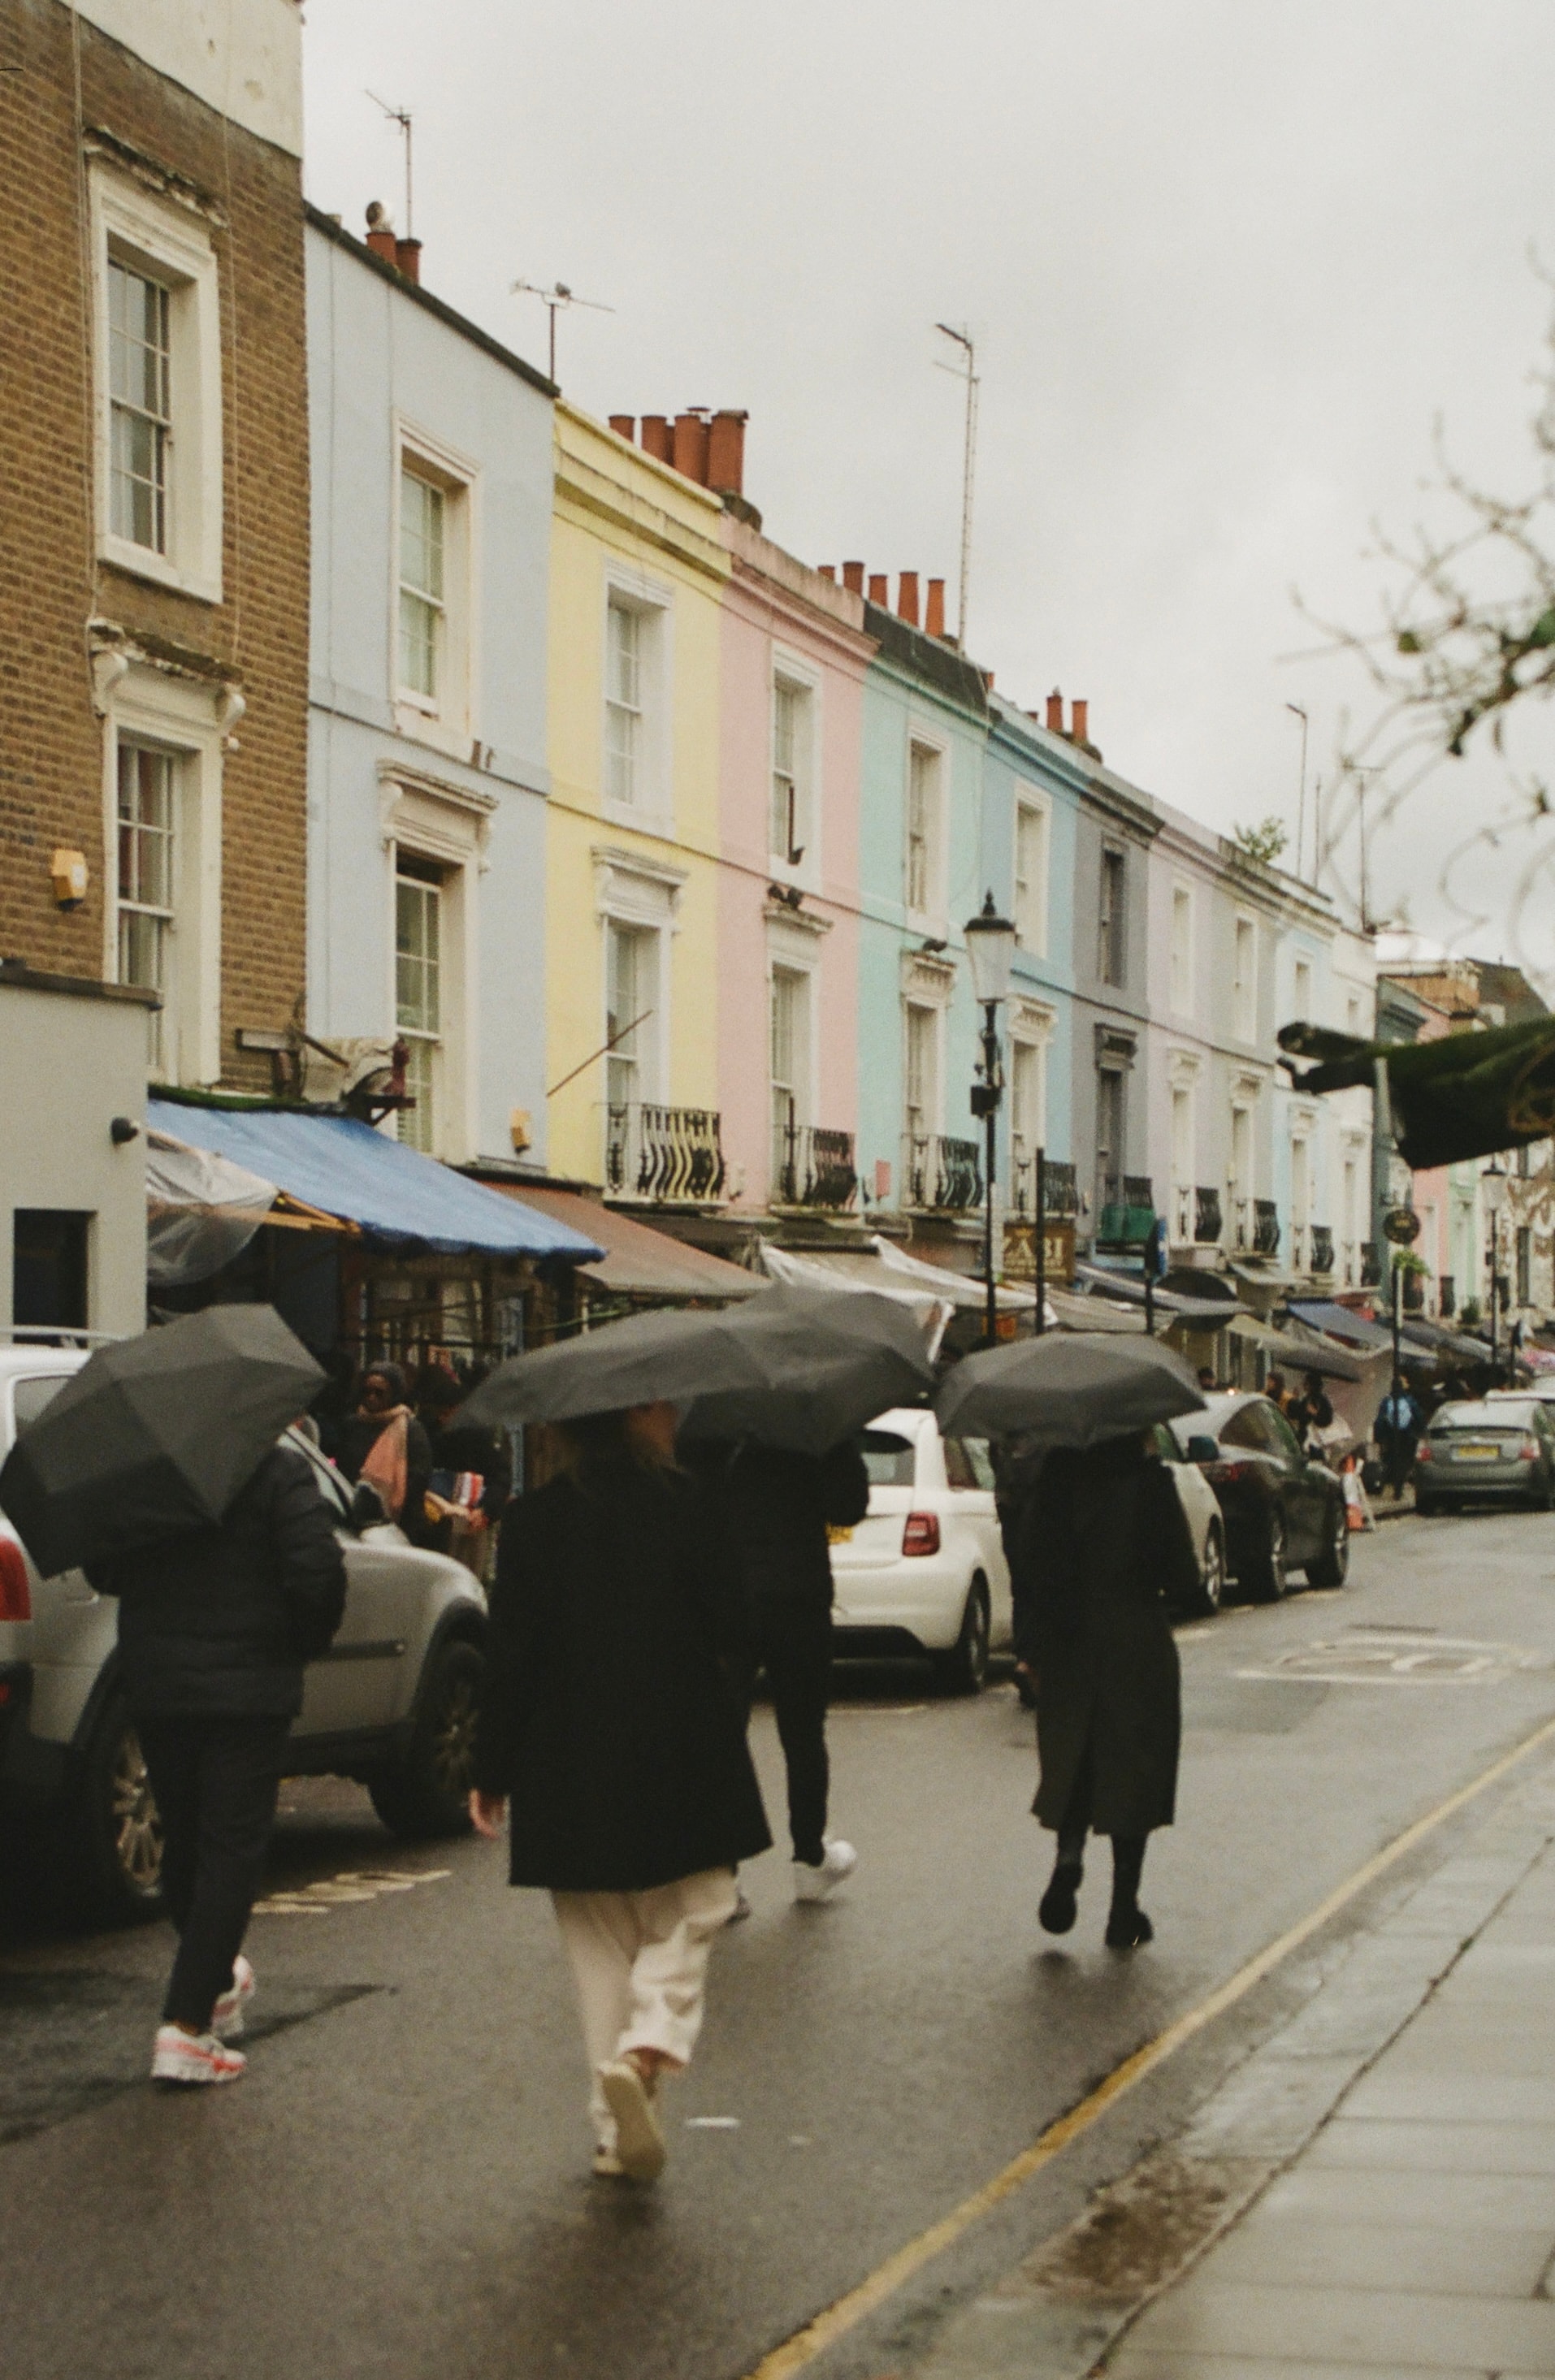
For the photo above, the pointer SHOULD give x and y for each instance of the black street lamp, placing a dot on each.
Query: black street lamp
(1493, 1189)
(991, 950)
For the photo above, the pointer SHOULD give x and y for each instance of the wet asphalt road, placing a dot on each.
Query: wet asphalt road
(399, 2186)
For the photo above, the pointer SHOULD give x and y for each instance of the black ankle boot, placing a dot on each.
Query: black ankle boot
(1127, 1928)
(1056, 1908)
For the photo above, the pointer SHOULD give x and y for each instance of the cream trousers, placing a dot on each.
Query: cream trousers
(639, 1960)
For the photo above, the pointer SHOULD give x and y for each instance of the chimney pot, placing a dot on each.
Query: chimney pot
(988, 681)
(381, 232)
(828, 570)
(624, 426)
(691, 451)
(879, 590)
(1081, 712)
(1056, 713)
(407, 256)
(934, 611)
(656, 437)
(906, 598)
(852, 576)
(725, 472)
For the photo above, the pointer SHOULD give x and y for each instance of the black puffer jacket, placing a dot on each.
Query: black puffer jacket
(777, 1508)
(219, 1622)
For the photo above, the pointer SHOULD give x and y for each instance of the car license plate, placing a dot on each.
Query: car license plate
(1470, 1452)
(835, 1537)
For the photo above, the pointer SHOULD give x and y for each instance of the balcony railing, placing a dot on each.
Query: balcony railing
(1060, 1195)
(1322, 1248)
(1298, 1248)
(939, 1175)
(1266, 1228)
(1197, 1213)
(666, 1156)
(813, 1167)
(1126, 1210)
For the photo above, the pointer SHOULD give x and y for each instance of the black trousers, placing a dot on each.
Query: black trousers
(216, 1781)
(793, 1643)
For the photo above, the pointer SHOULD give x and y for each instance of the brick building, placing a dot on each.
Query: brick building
(153, 596)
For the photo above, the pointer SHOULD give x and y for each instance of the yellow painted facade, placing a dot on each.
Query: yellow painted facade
(629, 533)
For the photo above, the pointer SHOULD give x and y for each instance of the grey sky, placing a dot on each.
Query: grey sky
(1224, 261)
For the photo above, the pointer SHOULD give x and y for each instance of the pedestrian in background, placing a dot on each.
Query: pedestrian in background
(778, 1508)
(1102, 1549)
(612, 1723)
(1311, 1413)
(214, 1628)
(384, 1443)
(1274, 1388)
(1397, 1431)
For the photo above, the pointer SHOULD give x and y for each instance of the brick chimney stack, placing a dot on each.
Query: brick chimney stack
(1080, 712)
(906, 598)
(407, 256)
(852, 576)
(879, 590)
(827, 570)
(934, 612)
(1056, 713)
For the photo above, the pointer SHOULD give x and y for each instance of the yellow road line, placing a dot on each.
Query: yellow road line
(849, 2311)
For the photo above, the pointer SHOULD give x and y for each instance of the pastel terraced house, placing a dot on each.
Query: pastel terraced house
(638, 571)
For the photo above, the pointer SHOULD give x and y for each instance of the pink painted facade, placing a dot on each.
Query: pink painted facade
(794, 658)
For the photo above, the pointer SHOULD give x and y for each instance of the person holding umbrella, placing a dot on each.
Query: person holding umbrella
(612, 1723)
(157, 1469)
(1100, 1549)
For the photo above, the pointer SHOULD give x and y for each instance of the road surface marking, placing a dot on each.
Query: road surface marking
(847, 2311)
(351, 1885)
(1395, 1658)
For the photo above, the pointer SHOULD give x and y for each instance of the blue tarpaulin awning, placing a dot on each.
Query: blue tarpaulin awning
(393, 1193)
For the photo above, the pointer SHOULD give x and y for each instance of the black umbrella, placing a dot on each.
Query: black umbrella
(1068, 1389)
(794, 1367)
(155, 1435)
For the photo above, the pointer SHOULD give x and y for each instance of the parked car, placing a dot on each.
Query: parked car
(392, 1702)
(1500, 1449)
(924, 1572)
(1283, 1511)
(1202, 1511)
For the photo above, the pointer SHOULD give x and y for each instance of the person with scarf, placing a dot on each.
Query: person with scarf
(384, 1443)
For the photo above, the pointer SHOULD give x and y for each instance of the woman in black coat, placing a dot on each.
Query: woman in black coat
(1101, 1547)
(611, 1722)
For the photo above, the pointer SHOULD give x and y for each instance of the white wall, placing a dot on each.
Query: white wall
(70, 1062)
(243, 57)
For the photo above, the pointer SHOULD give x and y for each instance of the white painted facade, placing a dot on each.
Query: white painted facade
(448, 786)
(242, 57)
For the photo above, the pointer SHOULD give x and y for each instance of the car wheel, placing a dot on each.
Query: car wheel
(963, 1669)
(1332, 1566)
(427, 1793)
(109, 1868)
(1268, 1581)
(1213, 1577)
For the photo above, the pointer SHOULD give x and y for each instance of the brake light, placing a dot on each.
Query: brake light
(16, 1596)
(921, 1534)
(1423, 1453)
(1225, 1471)
(1527, 1449)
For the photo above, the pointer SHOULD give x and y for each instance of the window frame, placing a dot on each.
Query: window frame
(791, 675)
(183, 719)
(170, 245)
(651, 809)
(413, 1127)
(446, 719)
(1030, 805)
(934, 1109)
(931, 914)
(1181, 950)
(1245, 988)
(1111, 918)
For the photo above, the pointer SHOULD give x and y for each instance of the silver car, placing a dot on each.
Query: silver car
(393, 1703)
(1498, 1449)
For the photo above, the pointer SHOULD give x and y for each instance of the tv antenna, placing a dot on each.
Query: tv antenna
(556, 300)
(967, 371)
(400, 115)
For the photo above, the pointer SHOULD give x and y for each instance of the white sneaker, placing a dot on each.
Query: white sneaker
(639, 2141)
(607, 2165)
(226, 2017)
(818, 1883)
(186, 2057)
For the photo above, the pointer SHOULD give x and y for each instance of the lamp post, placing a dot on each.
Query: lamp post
(1493, 1189)
(991, 949)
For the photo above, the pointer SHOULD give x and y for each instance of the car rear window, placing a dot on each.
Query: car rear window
(32, 1392)
(1482, 1416)
(889, 1459)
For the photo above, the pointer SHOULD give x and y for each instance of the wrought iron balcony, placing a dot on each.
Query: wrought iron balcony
(1061, 1196)
(1322, 1248)
(1207, 1224)
(1126, 1210)
(939, 1175)
(666, 1156)
(1266, 1227)
(813, 1167)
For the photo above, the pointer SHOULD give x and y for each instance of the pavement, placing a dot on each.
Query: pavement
(399, 2186)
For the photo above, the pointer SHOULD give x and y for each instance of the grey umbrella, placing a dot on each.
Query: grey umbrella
(1067, 1388)
(791, 1368)
(155, 1435)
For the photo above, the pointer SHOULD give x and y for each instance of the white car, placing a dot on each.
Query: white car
(392, 1702)
(1201, 1509)
(924, 1572)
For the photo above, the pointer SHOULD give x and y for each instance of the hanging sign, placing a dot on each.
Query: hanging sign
(1401, 1225)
